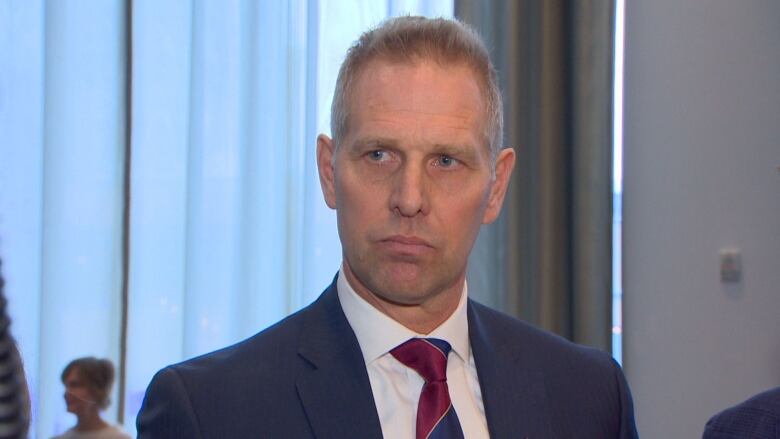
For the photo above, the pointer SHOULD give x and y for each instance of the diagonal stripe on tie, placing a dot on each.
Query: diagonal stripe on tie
(436, 417)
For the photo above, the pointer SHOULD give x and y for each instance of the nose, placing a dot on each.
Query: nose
(409, 196)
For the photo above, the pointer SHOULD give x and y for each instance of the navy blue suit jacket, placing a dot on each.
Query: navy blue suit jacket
(305, 377)
(756, 418)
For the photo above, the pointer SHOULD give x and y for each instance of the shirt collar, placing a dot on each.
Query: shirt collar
(377, 333)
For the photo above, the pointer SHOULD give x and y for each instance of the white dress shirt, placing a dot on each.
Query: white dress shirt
(397, 388)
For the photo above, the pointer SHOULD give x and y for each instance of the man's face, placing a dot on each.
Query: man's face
(411, 181)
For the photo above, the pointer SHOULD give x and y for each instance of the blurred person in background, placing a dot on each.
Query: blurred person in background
(88, 384)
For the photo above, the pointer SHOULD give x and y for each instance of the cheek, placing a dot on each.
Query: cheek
(360, 197)
(461, 215)
(454, 185)
(356, 213)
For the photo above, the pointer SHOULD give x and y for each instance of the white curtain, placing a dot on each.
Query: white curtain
(228, 232)
(61, 154)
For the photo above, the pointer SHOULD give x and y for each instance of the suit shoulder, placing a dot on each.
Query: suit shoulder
(219, 394)
(768, 401)
(758, 414)
(512, 333)
(274, 345)
(583, 388)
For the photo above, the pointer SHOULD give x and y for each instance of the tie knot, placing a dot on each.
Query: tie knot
(427, 356)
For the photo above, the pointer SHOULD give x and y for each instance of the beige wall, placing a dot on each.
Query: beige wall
(702, 147)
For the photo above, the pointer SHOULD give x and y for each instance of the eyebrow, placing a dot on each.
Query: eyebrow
(451, 149)
(375, 142)
(466, 152)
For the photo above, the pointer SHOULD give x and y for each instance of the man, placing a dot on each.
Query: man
(394, 348)
(757, 417)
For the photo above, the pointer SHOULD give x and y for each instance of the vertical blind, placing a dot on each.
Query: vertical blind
(227, 229)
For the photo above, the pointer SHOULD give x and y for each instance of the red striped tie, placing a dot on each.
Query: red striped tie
(436, 417)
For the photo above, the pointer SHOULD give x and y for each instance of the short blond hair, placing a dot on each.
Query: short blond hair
(410, 40)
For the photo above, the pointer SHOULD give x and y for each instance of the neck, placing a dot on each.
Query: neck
(90, 421)
(422, 317)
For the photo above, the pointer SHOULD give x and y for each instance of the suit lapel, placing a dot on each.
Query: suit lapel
(335, 392)
(510, 379)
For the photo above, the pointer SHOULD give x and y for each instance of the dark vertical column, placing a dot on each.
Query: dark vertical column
(122, 366)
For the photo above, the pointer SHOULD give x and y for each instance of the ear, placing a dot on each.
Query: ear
(505, 163)
(325, 155)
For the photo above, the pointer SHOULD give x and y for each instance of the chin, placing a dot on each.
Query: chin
(403, 290)
(403, 274)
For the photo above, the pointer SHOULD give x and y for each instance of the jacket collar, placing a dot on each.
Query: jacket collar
(335, 391)
(510, 379)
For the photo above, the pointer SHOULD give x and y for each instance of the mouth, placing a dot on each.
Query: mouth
(406, 245)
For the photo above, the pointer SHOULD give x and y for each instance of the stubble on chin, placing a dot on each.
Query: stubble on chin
(402, 284)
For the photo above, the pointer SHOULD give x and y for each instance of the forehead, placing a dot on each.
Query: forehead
(423, 93)
(74, 374)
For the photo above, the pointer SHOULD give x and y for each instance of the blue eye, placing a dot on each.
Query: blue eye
(378, 155)
(446, 161)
